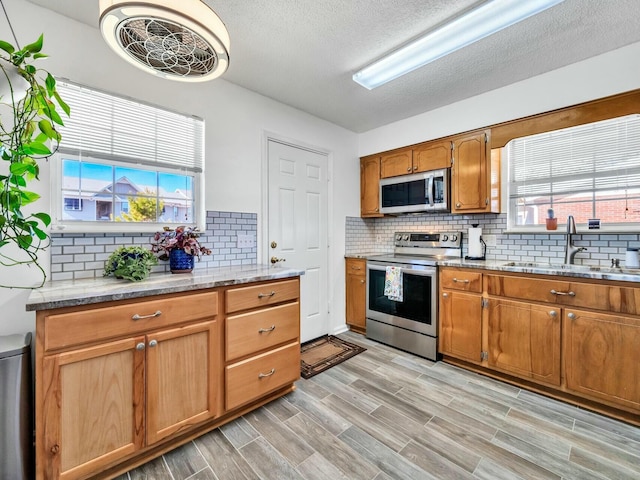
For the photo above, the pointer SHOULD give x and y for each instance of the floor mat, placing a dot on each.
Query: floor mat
(323, 353)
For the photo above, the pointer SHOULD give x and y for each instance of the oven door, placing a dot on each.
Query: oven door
(417, 311)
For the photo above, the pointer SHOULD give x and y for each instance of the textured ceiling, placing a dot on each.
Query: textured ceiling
(303, 53)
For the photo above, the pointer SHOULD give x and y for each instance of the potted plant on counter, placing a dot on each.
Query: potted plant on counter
(132, 263)
(180, 247)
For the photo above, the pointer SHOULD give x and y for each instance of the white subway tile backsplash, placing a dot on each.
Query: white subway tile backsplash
(76, 255)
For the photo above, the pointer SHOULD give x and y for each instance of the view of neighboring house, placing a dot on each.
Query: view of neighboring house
(98, 200)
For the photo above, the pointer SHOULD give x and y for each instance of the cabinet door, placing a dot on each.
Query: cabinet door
(432, 156)
(356, 294)
(183, 371)
(370, 187)
(397, 163)
(469, 175)
(92, 414)
(601, 357)
(524, 340)
(461, 325)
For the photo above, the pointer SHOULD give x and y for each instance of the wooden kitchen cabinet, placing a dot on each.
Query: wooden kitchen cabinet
(396, 163)
(370, 186)
(356, 294)
(601, 356)
(104, 398)
(475, 181)
(524, 340)
(266, 319)
(432, 155)
(460, 333)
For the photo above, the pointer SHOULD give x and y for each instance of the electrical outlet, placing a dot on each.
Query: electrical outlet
(245, 241)
(490, 240)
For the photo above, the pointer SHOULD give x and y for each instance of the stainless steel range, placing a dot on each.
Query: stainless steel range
(411, 322)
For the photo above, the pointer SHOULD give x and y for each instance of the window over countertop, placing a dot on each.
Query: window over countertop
(589, 171)
(124, 165)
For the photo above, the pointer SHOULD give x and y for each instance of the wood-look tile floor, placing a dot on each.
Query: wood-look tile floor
(386, 414)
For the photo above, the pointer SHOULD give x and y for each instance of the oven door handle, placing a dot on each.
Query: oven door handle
(426, 271)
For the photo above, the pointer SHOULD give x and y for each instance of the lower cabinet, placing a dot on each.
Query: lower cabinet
(601, 355)
(121, 382)
(461, 325)
(524, 340)
(356, 294)
(523, 329)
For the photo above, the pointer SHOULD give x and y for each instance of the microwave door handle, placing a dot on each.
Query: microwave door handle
(430, 190)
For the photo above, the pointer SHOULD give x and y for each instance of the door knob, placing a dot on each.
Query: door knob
(276, 260)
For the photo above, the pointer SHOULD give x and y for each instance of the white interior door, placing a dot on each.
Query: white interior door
(297, 227)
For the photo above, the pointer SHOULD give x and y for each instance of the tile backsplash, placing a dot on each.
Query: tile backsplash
(375, 235)
(82, 255)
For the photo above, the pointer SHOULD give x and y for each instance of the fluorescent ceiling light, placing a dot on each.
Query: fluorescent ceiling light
(475, 25)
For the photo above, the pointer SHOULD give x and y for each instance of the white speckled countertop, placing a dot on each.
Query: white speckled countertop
(540, 268)
(70, 293)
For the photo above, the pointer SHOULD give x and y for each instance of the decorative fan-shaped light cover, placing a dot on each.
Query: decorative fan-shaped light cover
(180, 40)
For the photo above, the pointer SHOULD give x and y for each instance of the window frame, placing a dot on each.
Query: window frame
(512, 227)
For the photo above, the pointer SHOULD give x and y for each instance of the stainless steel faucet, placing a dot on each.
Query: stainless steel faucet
(570, 250)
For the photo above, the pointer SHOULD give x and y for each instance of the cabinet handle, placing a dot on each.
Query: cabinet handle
(361, 281)
(571, 315)
(262, 295)
(153, 343)
(458, 205)
(140, 317)
(267, 330)
(415, 168)
(355, 267)
(408, 169)
(553, 313)
(262, 375)
(445, 294)
(455, 280)
(569, 293)
(140, 346)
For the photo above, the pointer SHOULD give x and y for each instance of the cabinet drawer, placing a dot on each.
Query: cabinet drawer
(466, 280)
(261, 295)
(356, 266)
(252, 332)
(95, 324)
(259, 375)
(606, 297)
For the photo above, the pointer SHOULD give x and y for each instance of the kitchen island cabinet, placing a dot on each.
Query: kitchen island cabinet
(121, 381)
(530, 333)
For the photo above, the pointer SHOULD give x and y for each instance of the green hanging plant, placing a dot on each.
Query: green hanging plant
(28, 134)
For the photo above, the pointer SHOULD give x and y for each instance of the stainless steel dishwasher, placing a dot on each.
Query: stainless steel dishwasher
(16, 408)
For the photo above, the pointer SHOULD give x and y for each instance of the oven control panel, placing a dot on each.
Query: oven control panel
(428, 239)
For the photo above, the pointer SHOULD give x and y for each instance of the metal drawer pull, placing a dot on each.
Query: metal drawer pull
(262, 295)
(262, 375)
(569, 293)
(140, 317)
(455, 280)
(266, 330)
(153, 343)
(553, 313)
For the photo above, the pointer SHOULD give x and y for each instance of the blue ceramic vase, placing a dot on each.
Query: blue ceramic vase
(180, 262)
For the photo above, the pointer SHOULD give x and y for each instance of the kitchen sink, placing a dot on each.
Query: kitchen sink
(571, 268)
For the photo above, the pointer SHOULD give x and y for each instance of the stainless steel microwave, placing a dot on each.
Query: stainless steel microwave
(418, 192)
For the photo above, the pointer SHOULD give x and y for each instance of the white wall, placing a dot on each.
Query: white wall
(614, 72)
(236, 121)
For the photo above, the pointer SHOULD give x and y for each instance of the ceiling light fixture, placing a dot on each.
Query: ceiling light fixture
(487, 19)
(179, 40)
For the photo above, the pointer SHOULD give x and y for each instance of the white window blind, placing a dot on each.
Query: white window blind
(596, 160)
(116, 128)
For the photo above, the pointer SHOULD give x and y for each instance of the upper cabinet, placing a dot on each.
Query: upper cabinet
(420, 158)
(475, 175)
(370, 186)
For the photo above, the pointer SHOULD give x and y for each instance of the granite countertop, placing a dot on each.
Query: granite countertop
(542, 268)
(70, 293)
(361, 255)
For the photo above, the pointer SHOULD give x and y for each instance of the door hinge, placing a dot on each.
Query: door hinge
(484, 355)
(486, 138)
(485, 303)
